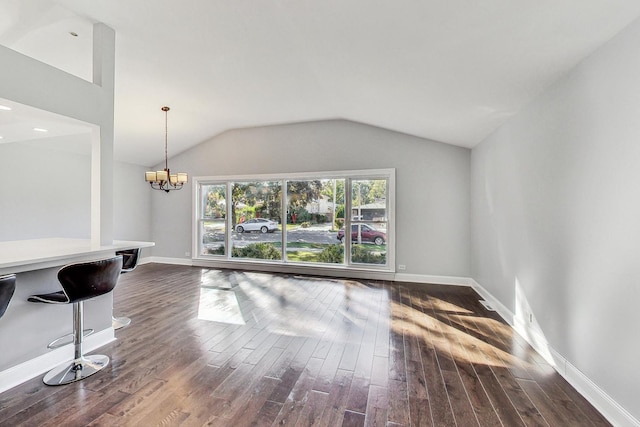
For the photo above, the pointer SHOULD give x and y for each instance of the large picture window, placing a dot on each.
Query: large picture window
(297, 219)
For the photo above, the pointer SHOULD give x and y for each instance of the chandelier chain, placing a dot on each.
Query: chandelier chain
(166, 136)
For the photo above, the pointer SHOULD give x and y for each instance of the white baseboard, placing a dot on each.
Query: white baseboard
(608, 407)
(500, 308)
(167, 260)
(434, 280)
(144, 260)
(537, 340)
(18, 374)
(612, 411)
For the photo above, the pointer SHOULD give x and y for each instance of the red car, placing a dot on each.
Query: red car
(367, 234)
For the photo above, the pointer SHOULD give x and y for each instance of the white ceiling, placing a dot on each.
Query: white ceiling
(447, 70)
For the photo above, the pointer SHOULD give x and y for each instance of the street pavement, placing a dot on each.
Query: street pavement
(317, 234)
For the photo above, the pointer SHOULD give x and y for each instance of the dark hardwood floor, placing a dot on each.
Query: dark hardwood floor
(231, 348)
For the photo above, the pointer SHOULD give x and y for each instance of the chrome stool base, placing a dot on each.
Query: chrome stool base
(67, 339)
(120, 322)
(76, 370)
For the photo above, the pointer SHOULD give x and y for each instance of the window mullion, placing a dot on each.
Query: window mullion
(284, 200)
(347, 221)
(229, 226)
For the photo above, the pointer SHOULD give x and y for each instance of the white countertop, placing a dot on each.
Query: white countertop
(24, 255)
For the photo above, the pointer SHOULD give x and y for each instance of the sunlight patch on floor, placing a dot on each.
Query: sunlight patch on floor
(218, 305)
(452, 339)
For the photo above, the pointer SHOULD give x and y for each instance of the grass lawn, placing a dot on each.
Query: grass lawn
(301, 245)
(302, 256)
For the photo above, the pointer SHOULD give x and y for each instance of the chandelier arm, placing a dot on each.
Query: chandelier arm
(166, 185)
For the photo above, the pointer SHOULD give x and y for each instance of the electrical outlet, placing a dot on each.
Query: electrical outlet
(402, 267)
(530, 317)
(187, 254)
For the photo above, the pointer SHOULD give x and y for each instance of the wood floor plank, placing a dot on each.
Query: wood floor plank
(293, 406)
(285, 386)
(249, 406)
(27, 395)
(380, 371)
(268, 413)
(140, 403)
(286, 357)
(336, 403)
(377, 404)
(500, 401)
(313, 408)
(292, 373)
(195, 395)
(89, 411)
(353, 419)
(105, 420)
(311, 351)
(552, 410)
(43, 411)
(560, 389)
(324, 380)
(420, 411)
(350, 356)
(237, 386)
(419, 402)
(258, 353)
(438, 397)
(398, 410)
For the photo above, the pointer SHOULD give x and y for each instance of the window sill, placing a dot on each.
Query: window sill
(360, 272)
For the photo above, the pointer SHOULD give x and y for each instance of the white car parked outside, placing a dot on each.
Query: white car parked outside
(257, 224)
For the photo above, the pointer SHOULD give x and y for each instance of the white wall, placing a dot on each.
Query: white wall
(131, 204)
(432, 184)
(44, 193)
(556, 212)
(32, 206)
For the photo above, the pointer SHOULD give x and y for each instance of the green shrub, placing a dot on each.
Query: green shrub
(257, 251)
(332, 254)
(219, 250)
(304, 215)
(360, 253)
(305, 224)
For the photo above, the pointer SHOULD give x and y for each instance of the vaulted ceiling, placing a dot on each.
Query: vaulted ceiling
(451, 71)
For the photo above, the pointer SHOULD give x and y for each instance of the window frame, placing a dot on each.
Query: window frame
(227, 261)
(200, 218)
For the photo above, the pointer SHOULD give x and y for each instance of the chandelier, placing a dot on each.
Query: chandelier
(164, 179)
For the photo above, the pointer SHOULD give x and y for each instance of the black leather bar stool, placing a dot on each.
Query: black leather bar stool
(7, 287)
(80, 282)
(129, 263)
